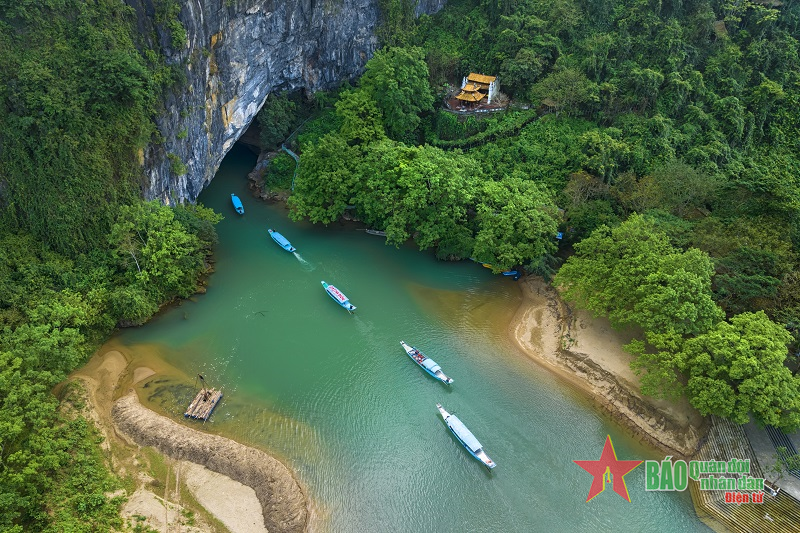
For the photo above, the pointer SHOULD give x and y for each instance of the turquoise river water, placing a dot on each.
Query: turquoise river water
(336, 398)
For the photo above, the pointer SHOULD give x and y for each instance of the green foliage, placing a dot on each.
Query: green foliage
(568, 90)
(361, 120)
(74, 109)
(276, 119)
(397, 80)
(176, 166)
(633, 275)
(517, 223)
(167, 12)
(156, 251)
(737, 368)
(280, 172)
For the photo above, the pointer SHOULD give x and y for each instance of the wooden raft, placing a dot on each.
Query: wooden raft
(203, 404)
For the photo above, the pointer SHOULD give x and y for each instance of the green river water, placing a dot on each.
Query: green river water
(336, 398)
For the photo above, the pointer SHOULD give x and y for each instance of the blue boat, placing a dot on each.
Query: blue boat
(516, 274)
(465, 437)
(237, 204)
(281, 240)
(338, 297)
(427, 364)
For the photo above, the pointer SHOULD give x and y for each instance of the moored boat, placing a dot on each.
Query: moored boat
(338, 297)
(427, 364)
(237, 204)
(465, 437)
(281, 240)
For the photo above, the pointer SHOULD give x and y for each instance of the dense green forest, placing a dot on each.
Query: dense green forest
(80, 252)
(661, 139)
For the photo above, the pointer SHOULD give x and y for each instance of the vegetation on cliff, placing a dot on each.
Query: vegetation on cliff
(79, 251)
(667, 156)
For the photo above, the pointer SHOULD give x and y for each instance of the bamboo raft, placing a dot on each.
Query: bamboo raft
(203, 404)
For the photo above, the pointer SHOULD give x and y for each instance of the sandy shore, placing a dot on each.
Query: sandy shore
(588, 352)
(199, 482)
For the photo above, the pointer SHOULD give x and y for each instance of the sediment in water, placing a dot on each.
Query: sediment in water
(283, 501)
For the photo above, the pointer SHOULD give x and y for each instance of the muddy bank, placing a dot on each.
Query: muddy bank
(283, 501)
(588, 352)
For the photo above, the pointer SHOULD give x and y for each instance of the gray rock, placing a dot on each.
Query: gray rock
(236, 53)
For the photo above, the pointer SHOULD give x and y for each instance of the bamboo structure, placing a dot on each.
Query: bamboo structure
(203, 404)
(776, 515)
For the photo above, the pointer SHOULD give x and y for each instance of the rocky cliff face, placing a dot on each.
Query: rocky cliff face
(235, 54)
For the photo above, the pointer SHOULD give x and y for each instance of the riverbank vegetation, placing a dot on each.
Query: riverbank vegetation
(80, 253)
(661, 141)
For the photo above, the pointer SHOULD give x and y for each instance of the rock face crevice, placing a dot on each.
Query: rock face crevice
(236, 53)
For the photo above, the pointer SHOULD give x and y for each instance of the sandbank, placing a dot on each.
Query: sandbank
(588, 353)
(241, 489)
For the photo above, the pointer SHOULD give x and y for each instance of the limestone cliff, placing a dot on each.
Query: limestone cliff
(235, 54)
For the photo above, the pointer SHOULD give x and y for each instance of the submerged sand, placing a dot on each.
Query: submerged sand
(244, 490)
(588, 353)
(231, 486)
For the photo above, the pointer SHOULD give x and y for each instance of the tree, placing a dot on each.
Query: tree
(634, 276)
(737, 368)
(326, 180)
(397, 79)
(422, 192)
(567, 90)
(517, 223)
(275, 119)
(361, 119)
(156, 250)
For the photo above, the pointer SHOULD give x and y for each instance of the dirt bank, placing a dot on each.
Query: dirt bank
(282, 500)
(170, 493)
(588, 352)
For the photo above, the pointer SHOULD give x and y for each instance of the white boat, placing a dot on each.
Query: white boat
(427, 364)
(465, 437)
(338, 297)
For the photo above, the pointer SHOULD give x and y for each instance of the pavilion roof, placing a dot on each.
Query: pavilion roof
(480, 78)
(470, 96)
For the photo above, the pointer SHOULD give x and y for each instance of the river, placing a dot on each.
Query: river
(336, 398)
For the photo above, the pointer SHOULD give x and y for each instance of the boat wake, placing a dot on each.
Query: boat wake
(305, 264)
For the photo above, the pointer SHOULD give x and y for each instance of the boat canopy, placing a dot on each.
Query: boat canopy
(431, 365)
(280, 239)
(336, 293)
(463, 433)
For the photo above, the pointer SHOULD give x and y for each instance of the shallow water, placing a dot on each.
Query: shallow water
(336, 397)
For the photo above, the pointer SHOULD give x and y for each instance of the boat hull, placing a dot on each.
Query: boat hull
(338, 297)
(282, 241)
(465, 437)
(426, 363)
(237, 204)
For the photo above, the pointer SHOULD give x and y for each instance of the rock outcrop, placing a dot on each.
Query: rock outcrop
(236, 52)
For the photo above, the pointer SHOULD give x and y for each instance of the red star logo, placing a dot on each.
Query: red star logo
(604, 468)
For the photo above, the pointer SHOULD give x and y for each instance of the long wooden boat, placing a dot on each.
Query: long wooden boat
(237, 204)
(465, 437)
(338, 297)
(281, 240)
(426, 363)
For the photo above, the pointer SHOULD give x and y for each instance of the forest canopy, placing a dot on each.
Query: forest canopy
(659, 140)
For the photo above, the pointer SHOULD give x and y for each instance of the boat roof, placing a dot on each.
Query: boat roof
(463, 433)
(336, 293)
(431, 365)
(280, 238)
